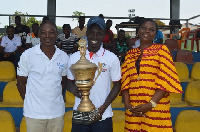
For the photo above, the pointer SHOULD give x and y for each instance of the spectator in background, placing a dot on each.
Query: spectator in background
(67, 41)
(121, 45)
(107, 41)
(101, 16)
(137, 42)
(45, 19)
(10, 46)
(158, 38)
(80, 30)
(32, 39)
(21, 30)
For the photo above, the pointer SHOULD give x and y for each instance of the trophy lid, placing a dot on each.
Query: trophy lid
(82, 63)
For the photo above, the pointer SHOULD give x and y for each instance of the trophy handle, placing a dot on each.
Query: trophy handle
(99, 70)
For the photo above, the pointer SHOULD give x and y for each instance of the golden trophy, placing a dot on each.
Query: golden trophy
(84, 72)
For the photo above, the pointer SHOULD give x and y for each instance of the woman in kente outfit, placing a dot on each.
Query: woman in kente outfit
(148, 76)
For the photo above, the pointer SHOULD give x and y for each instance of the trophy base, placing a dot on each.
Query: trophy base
(86, 105)
(86, 118)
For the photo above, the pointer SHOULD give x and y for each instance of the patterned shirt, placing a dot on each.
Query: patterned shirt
(157, 71)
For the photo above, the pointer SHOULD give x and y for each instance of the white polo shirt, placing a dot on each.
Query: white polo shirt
(32, 39)
(110, 72)
(43, 98)
(11, 45)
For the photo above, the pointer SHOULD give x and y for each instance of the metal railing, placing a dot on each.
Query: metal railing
(2, 30)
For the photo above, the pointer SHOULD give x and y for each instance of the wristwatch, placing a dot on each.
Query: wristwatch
(153, 103)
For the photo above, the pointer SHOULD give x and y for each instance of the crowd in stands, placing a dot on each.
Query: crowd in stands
(20, 38)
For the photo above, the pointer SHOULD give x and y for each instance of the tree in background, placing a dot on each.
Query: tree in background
(77, 13)
(28, 21)
(127, 35)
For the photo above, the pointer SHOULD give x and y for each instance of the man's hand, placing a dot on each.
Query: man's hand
(77, 92)
(102, 109)
(72, 88)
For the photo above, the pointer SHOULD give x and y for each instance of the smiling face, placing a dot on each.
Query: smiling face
(147, 32)
(95, 35)
(10, 33)
(48, 34)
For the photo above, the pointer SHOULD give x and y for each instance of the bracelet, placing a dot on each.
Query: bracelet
(153, 103)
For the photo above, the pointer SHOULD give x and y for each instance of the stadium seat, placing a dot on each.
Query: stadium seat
(7, 71)
(7, 123)
(69, 99)
(117, 103)
(11, 96)
(68, 121)
(184, 56)
(192, 93)
(188, 121)
(118, 120)
(196, 57)
(195, 73)
(176, 100)
(182, 71)
(23, 125)
(184, 85)
(172, 44)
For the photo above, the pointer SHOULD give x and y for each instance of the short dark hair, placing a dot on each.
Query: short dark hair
(17, 17)
(66, 26)
(121, 31)
(108, 20)
(101, 16)
(35, 24)
(10, 27)
(45, 18)
(81, 17)
(150, 20)
(48, 22)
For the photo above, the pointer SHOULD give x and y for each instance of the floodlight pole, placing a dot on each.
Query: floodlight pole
(131, 14)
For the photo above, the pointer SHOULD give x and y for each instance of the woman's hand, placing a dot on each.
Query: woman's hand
(143, 108)
(131, 108)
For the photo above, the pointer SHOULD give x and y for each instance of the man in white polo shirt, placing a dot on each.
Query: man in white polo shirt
(10, 44)
(44, 69)
(100, 94)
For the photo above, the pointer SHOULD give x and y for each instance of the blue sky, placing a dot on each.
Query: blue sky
(112, 8)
